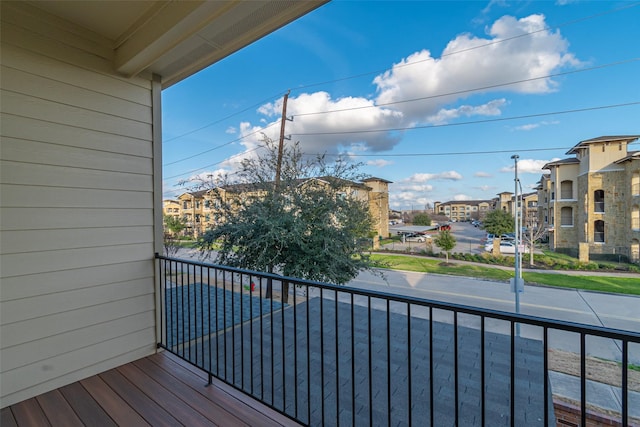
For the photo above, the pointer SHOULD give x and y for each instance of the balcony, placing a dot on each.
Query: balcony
(332, 355)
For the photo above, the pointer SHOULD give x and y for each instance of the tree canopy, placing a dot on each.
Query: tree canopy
(308, 225)
(498, 222)
(445, 241)
(421, 219)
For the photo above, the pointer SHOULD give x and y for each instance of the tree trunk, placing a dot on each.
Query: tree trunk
(285, 292)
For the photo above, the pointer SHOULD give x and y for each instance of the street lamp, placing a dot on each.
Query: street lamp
(517, 285)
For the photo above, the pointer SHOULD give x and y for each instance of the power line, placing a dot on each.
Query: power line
(460, 153)
(546, 28)
(406, 101)
(527, 116)
(403, 65)
(216, 163)
(625, 61)
(220, 146)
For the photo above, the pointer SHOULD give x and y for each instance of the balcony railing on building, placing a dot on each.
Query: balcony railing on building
(332, 355)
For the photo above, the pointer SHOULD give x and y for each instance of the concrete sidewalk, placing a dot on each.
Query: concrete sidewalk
(599, 395)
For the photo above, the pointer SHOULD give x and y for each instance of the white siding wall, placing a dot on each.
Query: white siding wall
(77, 217)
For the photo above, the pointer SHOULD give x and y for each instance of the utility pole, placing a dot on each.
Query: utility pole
(517, 285)
(281, 141)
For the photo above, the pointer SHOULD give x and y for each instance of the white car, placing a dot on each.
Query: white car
(507, 247)
(420, 239)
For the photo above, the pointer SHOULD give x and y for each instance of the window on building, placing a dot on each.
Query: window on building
(598, 201)
(635, 250)
(598, 231)
(566, 189)
(635, 184)
(184, 205)
(553, 195)
(197, 204)
(635, 217)
(566, 216)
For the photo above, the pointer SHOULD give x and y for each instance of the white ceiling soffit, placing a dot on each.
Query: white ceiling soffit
(176, 39)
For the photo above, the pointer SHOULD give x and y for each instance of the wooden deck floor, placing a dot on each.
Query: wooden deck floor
(158, 390)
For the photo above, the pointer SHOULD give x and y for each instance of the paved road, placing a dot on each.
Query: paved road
(592, 308)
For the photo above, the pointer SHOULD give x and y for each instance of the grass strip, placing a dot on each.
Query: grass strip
(610, 284)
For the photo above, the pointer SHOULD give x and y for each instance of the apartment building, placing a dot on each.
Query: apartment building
(464, 210)
(590, 203)
(200, 209)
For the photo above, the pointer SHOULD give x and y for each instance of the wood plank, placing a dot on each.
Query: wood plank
(6, 418)
(189, 392)
(248, 409)
(165, 396)
(29, 413)
(114, 405)
(57, 410)
(152, 412)
(87, 409)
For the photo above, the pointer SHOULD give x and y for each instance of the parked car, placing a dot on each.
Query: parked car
(506, 247)
(414, 237)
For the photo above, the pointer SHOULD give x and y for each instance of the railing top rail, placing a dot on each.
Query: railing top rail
(601, 331)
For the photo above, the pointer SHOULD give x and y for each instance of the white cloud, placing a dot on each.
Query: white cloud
(485, 187)
(380, 163)
(459, 197)
(231, 130)
(491, 108)
(485, 62)
(481, 174)
(424, 177)
(532, 126)
(528, 166)
(435, 84)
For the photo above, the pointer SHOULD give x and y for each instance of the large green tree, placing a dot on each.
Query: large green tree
(498, 222)
(421, 219)
(307, 225)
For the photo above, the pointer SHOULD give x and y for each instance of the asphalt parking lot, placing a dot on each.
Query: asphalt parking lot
(469, 239)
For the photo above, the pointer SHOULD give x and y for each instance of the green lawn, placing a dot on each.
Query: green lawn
(621, 285)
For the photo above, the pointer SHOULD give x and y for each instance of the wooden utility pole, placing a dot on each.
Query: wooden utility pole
(281, 142)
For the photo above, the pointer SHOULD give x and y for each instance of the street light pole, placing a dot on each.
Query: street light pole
(517, 281)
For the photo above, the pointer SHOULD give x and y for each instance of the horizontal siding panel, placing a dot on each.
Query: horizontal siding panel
(64, 369)
(54, 218)
(28, 196)
(35, 351)
(61, 281)
(53, 69)
(15, 35)
(53, 90)
(10, 398)
(51, 27)
(52, 240)
(42, 327)
(69, 177)
(90, 145)
(49, 111)
(35, 262)
(46, 305)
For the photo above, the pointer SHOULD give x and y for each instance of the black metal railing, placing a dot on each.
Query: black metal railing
(335, 355)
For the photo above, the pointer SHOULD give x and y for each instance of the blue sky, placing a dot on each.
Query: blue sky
(435, 96)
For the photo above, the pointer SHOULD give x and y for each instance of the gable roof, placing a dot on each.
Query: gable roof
(586, 142)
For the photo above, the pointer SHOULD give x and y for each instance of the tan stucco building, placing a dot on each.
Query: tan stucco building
(464, 210)
(200, 211)
(591, 202)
